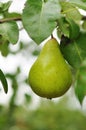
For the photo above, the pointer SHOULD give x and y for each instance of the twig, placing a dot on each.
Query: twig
(10, 19)
(84, 18)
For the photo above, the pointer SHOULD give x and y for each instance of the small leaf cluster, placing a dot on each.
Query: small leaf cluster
(40, 18)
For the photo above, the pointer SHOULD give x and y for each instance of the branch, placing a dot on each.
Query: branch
(10, 19)
(84, 18)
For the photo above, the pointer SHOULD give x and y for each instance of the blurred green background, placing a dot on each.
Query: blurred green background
(47, 115)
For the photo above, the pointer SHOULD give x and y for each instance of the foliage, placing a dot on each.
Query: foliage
(48, 115)
(40, 18)
(58, 117)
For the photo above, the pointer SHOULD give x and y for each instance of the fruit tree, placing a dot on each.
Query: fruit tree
(59, 66)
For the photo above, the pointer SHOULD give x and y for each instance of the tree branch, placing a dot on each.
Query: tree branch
(10, 19)
(84, 18)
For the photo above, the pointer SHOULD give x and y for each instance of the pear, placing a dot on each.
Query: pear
(50, 75)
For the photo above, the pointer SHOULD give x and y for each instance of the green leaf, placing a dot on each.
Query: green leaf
(35, 52)
(63, 27)
(71, 11)
(74, 51)
(68, 28)
(28, 98)
(6, 5)
(73, 29)
(3, 81)
(4, 46)
(80, 84)
(10, 31)
(81, 4)
(39, 18)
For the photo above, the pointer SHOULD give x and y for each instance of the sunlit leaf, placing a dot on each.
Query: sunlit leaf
(39, 18)
(6, 5)
(10, 31)
(79, 3)
(3, 81)
(71, 11)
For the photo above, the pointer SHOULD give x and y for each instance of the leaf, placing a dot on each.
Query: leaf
(80, 84)
(68, 28)
(73, 29)
(35, 52)
(28, 98)
(74, 51)
(10, 31)
(39, 18)
(4, 48)
(81, 4)
(3, 81)
(6, 5)
(63, 26)
(71, 11)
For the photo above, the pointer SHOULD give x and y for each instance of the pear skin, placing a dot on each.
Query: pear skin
(50, 75)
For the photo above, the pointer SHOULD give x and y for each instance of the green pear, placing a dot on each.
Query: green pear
(50, 75)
